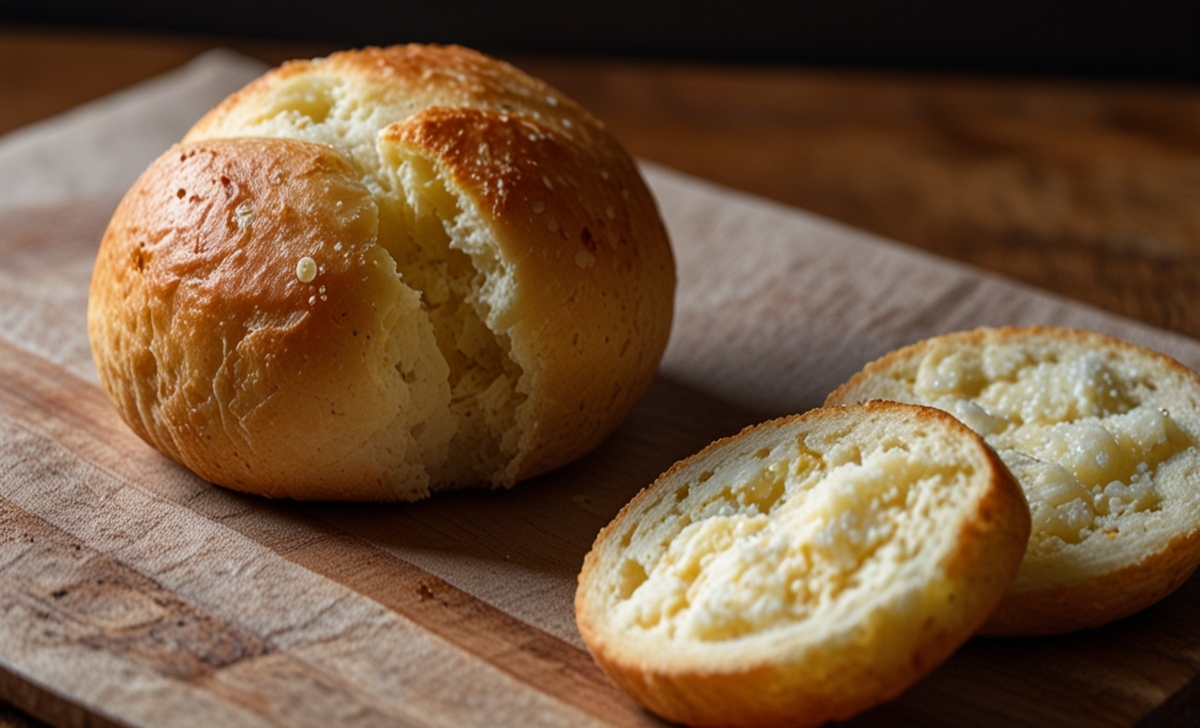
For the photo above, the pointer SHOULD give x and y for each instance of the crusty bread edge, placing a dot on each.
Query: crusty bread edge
(1100, 600)
(1087, 604)
(582, 373)
(989, 551)
(843, 394)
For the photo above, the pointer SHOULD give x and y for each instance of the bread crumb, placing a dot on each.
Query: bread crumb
(244, 214)
(306, 269)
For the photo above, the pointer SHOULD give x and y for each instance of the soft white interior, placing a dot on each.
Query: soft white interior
(442, 250)
(793, 535)
(1088, 437)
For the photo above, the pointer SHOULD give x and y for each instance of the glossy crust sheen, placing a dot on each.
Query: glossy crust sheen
(219, 354)
(859, 652)
(207, 340)
(1109, 575)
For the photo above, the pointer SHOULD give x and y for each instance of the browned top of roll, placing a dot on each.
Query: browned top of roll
(508, 257)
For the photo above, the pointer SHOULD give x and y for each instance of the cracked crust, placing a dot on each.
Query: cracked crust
(497, 242)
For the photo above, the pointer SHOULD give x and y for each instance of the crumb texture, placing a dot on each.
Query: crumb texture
(789, 540)
(811, 567)
(1085, 433)
(1101, 435)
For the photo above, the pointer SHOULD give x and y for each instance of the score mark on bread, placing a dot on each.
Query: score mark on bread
(359, 278)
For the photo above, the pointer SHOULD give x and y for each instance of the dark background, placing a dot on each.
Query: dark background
(1105, 38)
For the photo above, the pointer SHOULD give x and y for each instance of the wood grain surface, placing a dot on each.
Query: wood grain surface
(1088, 189)
(133, 593)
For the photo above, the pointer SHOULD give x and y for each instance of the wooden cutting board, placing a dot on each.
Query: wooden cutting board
(132, 592)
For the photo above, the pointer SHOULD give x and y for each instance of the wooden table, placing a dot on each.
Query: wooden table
(1085, 188)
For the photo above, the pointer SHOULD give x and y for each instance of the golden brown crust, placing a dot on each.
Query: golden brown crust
(409, 78)
(1099, 600)
(553, 244)
(808, 674)
(589, 251)
(207, 339)
(1122, 570)
(905, 359)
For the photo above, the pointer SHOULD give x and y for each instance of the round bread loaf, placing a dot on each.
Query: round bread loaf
(382, 273)
(1101, 435)
(804, 570)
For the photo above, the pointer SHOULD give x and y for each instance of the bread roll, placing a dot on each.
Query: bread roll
(804, 570)
(1100, 433)
(383, 273)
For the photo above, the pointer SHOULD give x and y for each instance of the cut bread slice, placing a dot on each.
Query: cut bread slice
(804, 570)
(1100, 433)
